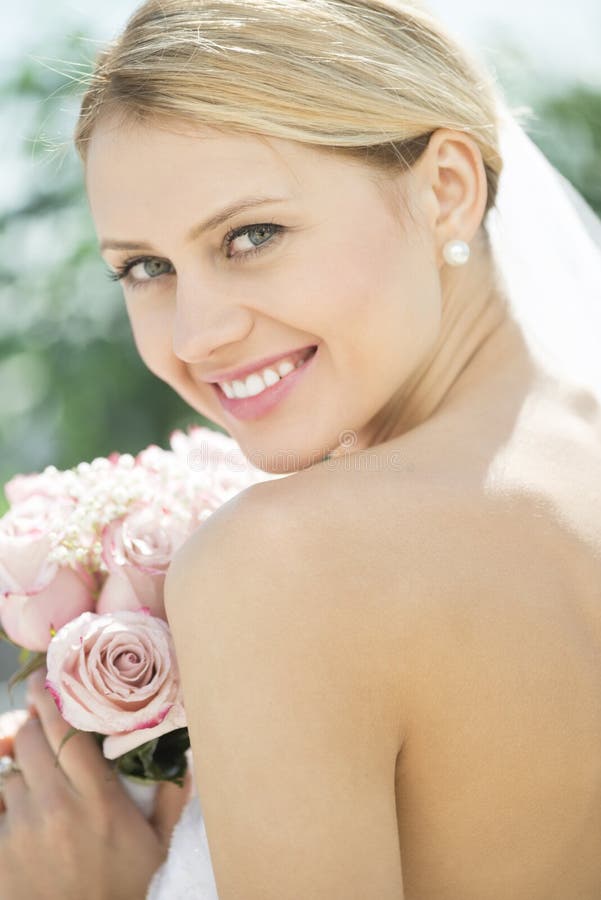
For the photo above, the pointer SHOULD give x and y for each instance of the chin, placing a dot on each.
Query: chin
(278, 462)
(282, 465)
(297, 466)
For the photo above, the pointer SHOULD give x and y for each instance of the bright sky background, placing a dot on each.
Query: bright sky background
(562, 38)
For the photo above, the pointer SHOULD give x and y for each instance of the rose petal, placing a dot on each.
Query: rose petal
(118, 744)
(117, 674)
(28, 620)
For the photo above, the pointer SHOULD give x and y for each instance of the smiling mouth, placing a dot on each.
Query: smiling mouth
(263, 380)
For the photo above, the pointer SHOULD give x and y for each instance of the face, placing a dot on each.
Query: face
(325, 263)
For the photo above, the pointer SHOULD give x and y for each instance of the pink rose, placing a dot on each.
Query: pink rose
(137, 550)
(146, 538)
(130, 588)
(26, 543)
(24, 564)
(28, 620)
(117, 675)
(44, 484)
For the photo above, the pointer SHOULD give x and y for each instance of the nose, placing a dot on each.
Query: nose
(204, 321)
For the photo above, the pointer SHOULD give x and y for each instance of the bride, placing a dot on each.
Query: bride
(336, 242)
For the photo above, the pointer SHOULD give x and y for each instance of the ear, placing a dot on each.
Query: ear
(451, 187)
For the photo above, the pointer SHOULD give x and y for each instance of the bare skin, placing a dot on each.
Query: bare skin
(498, 781)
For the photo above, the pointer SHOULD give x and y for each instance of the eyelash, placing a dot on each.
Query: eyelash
(123, 271)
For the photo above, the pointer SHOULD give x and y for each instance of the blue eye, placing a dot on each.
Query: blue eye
(153, 267)
(252, 230)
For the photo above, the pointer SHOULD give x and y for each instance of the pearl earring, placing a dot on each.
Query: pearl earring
(456, 253)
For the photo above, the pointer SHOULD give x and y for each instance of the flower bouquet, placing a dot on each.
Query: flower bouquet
(83, 559)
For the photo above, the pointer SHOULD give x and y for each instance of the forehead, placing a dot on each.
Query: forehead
(125, 159)
(114, 141)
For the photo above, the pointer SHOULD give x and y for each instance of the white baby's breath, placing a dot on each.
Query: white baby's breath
(187, 483)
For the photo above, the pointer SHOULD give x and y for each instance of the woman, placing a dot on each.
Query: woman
(390, 657)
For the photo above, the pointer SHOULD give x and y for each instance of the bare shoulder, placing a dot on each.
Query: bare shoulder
(468, 617)
(485, 603)
(511, 564)
(381, 553)
(404, 526)
(418, 568)
(310, 564)
(447, 590)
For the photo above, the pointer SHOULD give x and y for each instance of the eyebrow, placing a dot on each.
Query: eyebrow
(197, 230)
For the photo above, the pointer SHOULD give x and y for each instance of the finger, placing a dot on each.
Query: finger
(45, 779)
(80, 757)
(169, 805)
(10, 722)
(13, 791)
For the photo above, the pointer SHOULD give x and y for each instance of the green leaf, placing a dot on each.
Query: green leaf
(162, 759)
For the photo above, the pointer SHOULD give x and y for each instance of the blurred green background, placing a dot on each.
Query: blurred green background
(72, 386)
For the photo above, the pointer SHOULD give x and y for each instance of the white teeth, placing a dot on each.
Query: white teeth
(270, 377)
(284, 368)
(258, 382)
(239, 389)
(254, 385)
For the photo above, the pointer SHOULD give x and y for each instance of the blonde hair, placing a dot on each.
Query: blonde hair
(369, 79)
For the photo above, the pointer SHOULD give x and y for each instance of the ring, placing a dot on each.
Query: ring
(8, 766)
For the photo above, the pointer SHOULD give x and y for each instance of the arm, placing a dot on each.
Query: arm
(293, 707)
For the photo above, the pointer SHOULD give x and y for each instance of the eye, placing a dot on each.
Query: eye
(141, 270)
(150, 268)
(250, 232)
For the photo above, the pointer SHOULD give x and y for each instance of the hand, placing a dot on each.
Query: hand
(72, 831)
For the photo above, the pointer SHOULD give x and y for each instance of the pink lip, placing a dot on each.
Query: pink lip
(254, 407)
(243, 371)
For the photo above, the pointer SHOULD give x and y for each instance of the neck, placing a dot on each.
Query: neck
(478, 339)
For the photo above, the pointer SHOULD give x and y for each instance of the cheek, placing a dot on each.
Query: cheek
(380, 285)
(152, 329)
(390, 306)
(414, 308)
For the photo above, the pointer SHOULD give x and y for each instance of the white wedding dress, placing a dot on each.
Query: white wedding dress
(546, 241)
(187, 873)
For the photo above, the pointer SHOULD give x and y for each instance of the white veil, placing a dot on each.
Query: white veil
(547, 245)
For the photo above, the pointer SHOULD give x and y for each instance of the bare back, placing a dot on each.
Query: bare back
(498, 783)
